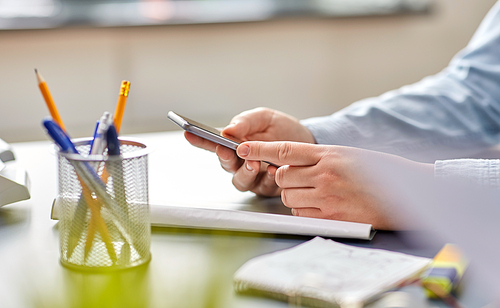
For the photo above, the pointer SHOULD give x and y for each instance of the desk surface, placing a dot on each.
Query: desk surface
(189, 268)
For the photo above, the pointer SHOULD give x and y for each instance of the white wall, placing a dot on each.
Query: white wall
(303, 66)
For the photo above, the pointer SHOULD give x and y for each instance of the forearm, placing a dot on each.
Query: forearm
(455, 113)
(438, 118)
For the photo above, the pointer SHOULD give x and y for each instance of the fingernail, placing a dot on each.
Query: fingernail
(270, 174)
(243, 150)
(229, 126)
(249, 168)
(293, 212)
(223, 159)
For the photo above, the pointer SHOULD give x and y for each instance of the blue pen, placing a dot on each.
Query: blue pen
(78, 223)
(115, 167)
(64, 142)
(59, 136)
(98, 143)
(112, 140)
(95, 135)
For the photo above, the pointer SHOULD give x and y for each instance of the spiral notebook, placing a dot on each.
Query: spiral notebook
(323, 273)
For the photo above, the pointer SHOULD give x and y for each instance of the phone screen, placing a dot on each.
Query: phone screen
(202, 130)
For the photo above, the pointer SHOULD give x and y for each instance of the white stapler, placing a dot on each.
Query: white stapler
(14, 181)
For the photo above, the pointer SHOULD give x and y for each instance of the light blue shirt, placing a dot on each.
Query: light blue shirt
(453, 114)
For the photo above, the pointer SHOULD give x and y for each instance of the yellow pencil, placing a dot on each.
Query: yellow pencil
(98, 223)
(120, 106)
(48, 100)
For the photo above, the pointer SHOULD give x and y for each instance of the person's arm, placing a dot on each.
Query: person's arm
(452, 114)
(482, 172)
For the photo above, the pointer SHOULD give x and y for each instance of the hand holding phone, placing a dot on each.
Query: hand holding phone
(205, 132)
(201, 130)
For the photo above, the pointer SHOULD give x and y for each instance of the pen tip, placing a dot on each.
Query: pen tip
(36, 71)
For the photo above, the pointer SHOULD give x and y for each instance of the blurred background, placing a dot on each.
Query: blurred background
(211, 59)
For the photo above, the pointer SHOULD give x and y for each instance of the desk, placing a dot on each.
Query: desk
(189, 268)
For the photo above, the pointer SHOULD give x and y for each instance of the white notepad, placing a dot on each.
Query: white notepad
(246, 221)
(323, 271)
(237, 220)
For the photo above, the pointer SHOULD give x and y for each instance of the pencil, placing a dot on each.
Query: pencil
(120, 106)
(48, 100)
(96, 222)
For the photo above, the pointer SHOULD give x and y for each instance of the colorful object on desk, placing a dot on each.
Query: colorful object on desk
(49, 101)
(445, 272)
(120, 106)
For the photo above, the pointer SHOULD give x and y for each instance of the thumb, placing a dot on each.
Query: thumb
(249, 122)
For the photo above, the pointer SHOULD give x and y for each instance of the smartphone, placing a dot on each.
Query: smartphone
(205, 132)
(201, 130)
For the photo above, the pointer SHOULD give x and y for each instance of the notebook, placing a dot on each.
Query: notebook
(323, 273)
(247, 221)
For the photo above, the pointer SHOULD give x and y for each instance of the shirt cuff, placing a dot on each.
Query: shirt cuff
(330, 130)
(484, 172)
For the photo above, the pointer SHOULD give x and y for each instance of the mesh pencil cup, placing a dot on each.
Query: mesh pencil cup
(104, 221)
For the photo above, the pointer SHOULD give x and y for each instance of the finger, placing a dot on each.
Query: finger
(228, 159)
(200, 142)
(297, 177)
(308, 212)
(246, 176)
(249, 122)
(281, 153)
(299, 197)
(309, 197)
(266, 185)
(272, 170)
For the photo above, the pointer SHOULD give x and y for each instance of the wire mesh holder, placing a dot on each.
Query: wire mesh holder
(104, 222)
